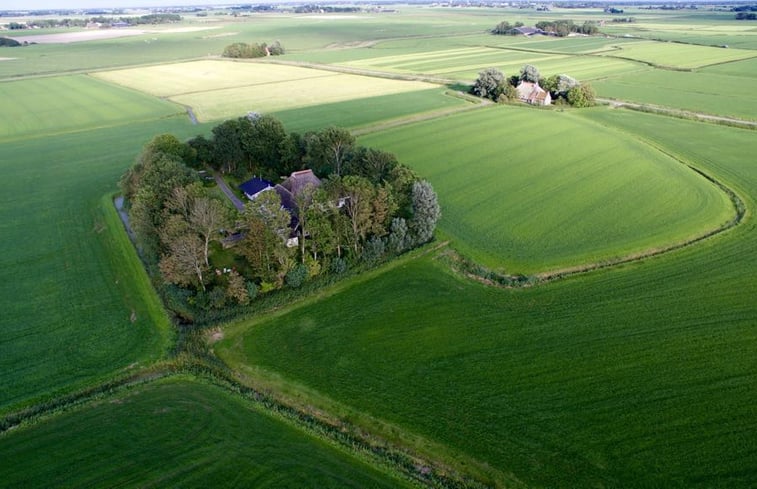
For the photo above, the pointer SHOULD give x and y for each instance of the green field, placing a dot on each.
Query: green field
(223, 89)
(42, 106)
(77, 305)
(640, 376)
(636, 375)
(680, 55)
(176, 433)
(516, 196)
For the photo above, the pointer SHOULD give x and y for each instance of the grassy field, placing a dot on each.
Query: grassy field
(222, 89)
(680, 55)
(708, 92)
(176, 433)
(76, 303)
(42, 106)
(640, 376)
(517, 197)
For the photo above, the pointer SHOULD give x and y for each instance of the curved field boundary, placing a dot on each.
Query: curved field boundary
(511, 281)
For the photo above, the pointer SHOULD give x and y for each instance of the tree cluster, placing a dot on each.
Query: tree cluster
(367, 207)
(562, 28)
(746, 16)
(493, 84)
(244, 50)
(559, 28)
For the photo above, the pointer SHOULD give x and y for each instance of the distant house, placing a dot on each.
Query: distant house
(254, 186)
(533, 94)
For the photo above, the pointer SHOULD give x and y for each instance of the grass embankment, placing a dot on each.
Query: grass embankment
(527, 191)
(176, 432)
(637, 376)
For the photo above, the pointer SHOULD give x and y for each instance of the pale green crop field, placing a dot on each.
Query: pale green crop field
(528, 191)
(62, 104)
(465, 63)
(222, 89)
(680, 55)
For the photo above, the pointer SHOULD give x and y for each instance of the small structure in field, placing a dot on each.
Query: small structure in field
(533, 94)
(254, 186)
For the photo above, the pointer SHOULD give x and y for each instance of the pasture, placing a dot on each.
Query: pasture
(223, 89)
(517, 197)
(177, 433)
(637, 376)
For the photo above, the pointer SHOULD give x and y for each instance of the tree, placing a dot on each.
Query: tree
(581, 96)
(510, 94)
(399, 239)
(503, 27)
(183, 264)
(264, 244)
(237, 288)
(206, 217)
(358, 195)
(328, 149)
(373, 164)
(426, 212)
(529, 73)
(203, 151)
(227, 146)
(320, 216)
(490, 84)
(262, 138)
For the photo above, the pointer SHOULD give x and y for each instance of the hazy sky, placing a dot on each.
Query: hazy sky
(75, 4)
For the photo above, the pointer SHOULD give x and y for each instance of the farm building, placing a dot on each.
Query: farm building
(254, 186)
(533, 94)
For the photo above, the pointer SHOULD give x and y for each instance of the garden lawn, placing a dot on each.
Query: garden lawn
(527, 191)
(638, 376)
(176, 433)
(42, 106)
(77, 306)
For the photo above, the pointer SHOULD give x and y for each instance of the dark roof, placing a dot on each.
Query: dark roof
(528, 31)
(254, 186)
(288, 203)
(298, 180)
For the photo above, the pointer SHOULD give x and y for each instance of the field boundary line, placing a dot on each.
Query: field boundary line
(679, 113)
(737, 202)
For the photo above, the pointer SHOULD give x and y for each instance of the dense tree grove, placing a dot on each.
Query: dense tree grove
(559, 28)
(151, 19)
(358, 206)
(244, 50)
(564, 89)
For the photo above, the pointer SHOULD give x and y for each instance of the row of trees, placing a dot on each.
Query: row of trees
(244, 50)
(372, 208)
(151, 19)
(493, 84)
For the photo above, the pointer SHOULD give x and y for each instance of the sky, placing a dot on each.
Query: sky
(90, 4)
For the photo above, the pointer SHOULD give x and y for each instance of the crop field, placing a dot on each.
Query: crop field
(176, 433)
(703, 91)
(222, 89)
(41, 106)
(680, 55)
(636, 377)
(465, 63)
(512, 208)
(77, 305)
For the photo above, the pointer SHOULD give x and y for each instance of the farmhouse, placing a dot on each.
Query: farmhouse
(527, 31)
(533, 94)
(289, 190)
(254, 186)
